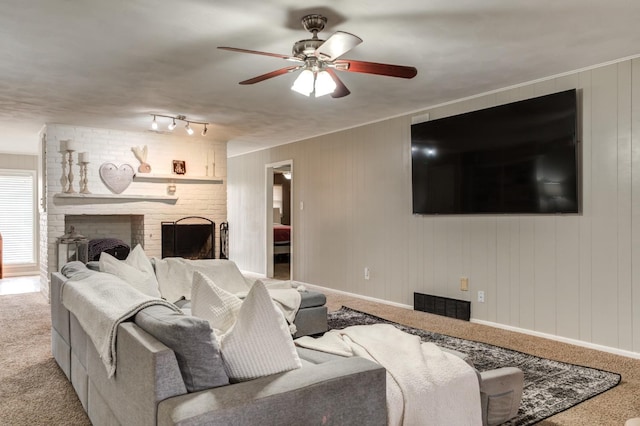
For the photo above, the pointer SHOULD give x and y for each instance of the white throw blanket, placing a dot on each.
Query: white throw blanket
(425, 386)
(175, 277)
(101, 302)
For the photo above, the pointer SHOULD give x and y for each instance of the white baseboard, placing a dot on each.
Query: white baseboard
(358, 296)
(575, 342)
(568, 340)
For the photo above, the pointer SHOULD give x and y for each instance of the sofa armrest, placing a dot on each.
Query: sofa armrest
(147, 372)
(343, 391)
(59, 314)
(501, 394)
(60, 325)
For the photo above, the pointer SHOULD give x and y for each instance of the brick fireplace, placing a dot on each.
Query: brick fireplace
(135, 215)
(128, 228)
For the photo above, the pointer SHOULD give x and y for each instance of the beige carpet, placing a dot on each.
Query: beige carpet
(34, 391)
(613, 407)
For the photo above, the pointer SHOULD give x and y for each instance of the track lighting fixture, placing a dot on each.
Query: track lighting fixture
(172, 125)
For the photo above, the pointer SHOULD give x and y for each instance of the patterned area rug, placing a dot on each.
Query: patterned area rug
(549, 386)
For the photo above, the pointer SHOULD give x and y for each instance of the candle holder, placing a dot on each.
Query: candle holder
(70, 176)
(63, 179)
(84, 188)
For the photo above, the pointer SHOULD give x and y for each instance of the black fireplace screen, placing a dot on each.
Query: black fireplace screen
(191, 237)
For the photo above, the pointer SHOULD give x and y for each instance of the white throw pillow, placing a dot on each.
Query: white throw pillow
(259, 343)
(135, 270)
(139, 260)
(210, 302)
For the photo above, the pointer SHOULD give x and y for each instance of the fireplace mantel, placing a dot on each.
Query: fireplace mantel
(183, 178)
(116, 197)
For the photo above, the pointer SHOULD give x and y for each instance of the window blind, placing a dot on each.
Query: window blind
(17, 216)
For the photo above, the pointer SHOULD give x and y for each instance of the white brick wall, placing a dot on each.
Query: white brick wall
(199, 198)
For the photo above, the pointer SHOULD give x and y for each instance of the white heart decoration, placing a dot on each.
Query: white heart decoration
(117, 179)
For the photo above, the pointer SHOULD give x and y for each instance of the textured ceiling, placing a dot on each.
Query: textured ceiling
(111, 63)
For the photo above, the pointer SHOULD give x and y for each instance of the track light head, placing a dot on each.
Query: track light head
(172, 125)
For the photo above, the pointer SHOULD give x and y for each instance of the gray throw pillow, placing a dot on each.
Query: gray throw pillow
(192, 340)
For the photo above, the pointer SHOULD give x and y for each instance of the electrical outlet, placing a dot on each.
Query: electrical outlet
(481, 296)
(366, 273)
(464, 284)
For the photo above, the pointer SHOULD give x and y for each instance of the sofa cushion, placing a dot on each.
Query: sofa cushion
(196, 348)
(311, 299)
(214, 304)
(259, 343)
(135, 270)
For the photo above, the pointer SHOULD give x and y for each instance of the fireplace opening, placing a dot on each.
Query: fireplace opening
(192, 237)
(111, 233)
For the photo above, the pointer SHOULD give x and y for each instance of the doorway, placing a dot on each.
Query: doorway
(279, 215)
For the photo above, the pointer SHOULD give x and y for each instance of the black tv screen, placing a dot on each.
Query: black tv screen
(518, 158)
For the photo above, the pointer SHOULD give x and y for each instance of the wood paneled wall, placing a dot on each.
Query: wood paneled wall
(572, 276)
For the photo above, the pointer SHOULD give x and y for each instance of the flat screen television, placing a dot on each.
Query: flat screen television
(518, 158)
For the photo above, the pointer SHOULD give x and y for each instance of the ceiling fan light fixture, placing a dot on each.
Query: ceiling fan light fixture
(324, 84)
(319, 57)
(304, 83)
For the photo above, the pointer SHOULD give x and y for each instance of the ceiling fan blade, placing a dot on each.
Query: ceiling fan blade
(376, 68)
(337, 45)
(257, 52)
(340, 90)
(269, 75)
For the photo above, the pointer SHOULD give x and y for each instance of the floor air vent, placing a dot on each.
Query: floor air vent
(453, 308)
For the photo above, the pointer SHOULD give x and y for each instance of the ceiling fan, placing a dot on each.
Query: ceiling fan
(319, 59)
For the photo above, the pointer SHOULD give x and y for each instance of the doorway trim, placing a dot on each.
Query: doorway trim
(268, 216)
